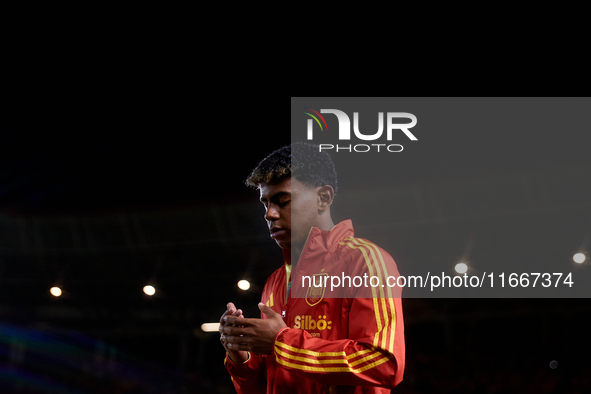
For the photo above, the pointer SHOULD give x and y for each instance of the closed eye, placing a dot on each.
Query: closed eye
(281, 199)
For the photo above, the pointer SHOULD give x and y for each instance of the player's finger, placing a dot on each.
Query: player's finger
(238, 346)
(230, 311)
(238, 321)
(222, 320)
(232, 330)
(268, 311)
(235, 340)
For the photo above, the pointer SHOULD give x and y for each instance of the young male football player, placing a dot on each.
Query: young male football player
(349, 340)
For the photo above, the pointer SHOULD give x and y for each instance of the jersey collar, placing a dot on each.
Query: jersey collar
(319, 241)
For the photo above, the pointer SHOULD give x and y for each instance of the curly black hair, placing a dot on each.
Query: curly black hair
(309, 166)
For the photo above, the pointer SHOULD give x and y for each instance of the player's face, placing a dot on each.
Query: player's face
(284, 200)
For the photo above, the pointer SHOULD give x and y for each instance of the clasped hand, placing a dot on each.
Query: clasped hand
(254, 335)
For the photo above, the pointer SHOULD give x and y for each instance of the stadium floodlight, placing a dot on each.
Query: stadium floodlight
(244, 284)
(149, 290)
(579, 258)
(210, 327)
(461, 268)
(55, 291)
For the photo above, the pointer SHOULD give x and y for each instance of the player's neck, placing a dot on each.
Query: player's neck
(289, 257)
(294, 252)
(324, 221)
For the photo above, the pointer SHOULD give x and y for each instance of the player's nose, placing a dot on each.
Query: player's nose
(271, 214)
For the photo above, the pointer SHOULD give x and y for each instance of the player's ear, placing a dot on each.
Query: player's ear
(325, 197)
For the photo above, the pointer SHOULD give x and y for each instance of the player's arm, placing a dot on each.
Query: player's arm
(245, 368)
(374, 357)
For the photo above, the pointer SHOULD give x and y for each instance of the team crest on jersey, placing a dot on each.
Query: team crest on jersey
(315, 292)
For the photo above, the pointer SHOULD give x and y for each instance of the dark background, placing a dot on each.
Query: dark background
(122, 163)
(102, 199)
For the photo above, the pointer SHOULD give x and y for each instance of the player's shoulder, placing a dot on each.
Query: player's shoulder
(360, 246)
(363, 252)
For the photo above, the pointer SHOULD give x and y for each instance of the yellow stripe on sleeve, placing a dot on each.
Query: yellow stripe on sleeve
(328, 361)
(332, 369)
(365, 247)
(390, 297)
(324, 354)
(382, 281)
(373, 291)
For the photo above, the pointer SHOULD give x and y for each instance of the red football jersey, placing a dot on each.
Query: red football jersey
(334, 342)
